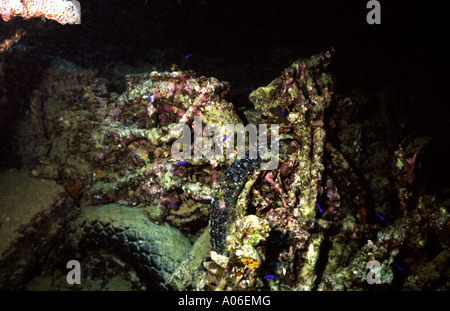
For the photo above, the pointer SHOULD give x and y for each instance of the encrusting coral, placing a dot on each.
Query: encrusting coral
(344, 193)
(62, 11)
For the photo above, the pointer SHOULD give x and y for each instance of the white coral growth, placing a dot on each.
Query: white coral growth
(62, 11)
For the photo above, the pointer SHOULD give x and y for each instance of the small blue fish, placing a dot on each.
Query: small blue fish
(124, 127)
(379, 216)
(282, 113)
(225, 138)
(319, 208)
(187, 56)
(173, 205)
(398, 266)
(149, 98)
(78, 96)
(269, 276)
(180, 163)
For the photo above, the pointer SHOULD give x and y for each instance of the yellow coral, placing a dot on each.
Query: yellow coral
(252, 264)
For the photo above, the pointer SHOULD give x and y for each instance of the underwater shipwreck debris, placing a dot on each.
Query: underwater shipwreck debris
(312, 223)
